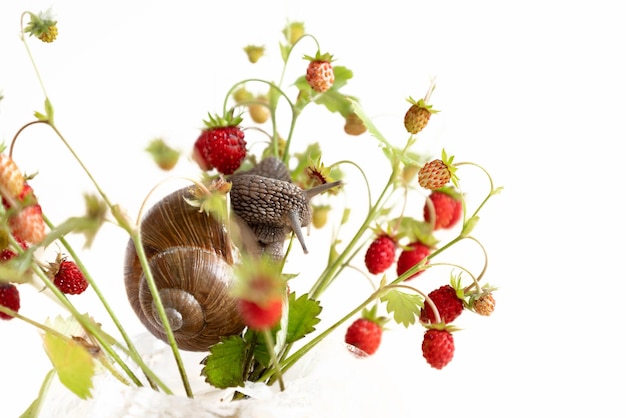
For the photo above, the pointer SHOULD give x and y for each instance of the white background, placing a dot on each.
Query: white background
(533, 91)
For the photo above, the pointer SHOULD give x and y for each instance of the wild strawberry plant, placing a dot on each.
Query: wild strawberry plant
(388, 248)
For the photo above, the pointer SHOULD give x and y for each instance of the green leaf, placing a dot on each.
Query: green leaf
(72, 362)
(223, 368)
(334, 101)
(303, 316)
(405, 307)
(34, 408)
(369, 124)
(342, 75)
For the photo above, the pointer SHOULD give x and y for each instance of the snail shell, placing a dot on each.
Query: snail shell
(191, 257)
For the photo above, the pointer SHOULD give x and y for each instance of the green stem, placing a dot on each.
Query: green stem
(132, 350)
(154, 291)
(332, 268)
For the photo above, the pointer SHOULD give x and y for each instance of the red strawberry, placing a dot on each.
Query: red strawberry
(319, 73)
(7, 253)
(447, 302)
(260, 288)
(381, 254)
(10, 298)
(68, 277)
(221, 145)
(28, 224)
(365, 335)
(438, 347)
(11, 178)
(259, 317)
(447, 208)
(411, 256)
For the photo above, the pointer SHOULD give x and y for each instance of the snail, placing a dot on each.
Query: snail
(192, 256)
(265, 198)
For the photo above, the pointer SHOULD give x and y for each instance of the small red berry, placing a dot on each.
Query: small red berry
(259, 317)
(68, 277)
(10, 298)
(447, 208)
(410, 257)
(222, 148)
(438, 347)
(381, 254)
(447, 302)
(365, 335)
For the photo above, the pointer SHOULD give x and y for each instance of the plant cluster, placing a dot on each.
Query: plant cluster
(390, 249)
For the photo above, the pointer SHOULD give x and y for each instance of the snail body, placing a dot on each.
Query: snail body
(192, 256)
(271, 205)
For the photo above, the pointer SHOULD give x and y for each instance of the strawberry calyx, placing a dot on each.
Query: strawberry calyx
(218, 121)
(372, 316)
(41, 24)
(448, 161)
(325, 57)
(421, 103)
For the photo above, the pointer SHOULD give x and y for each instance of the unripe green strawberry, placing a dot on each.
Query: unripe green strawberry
(11, 178)
(10, 298)
(319, 73)
(410, 257)
(380, 254)
(50, 35)
(163, 155)
(484, 305)
(438, 347)
(320, 215)
(293, 32)
(259, 112)
(254, 52)
(446, 206)
(447, 302)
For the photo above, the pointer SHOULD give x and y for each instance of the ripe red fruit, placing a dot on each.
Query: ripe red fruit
(411, 256)
(365, 335)
(447, 208)
(438, 347)
(222, 148)
(259, 317)
(447, 302)
(381, 254)
(10, 298)
(68, 277)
